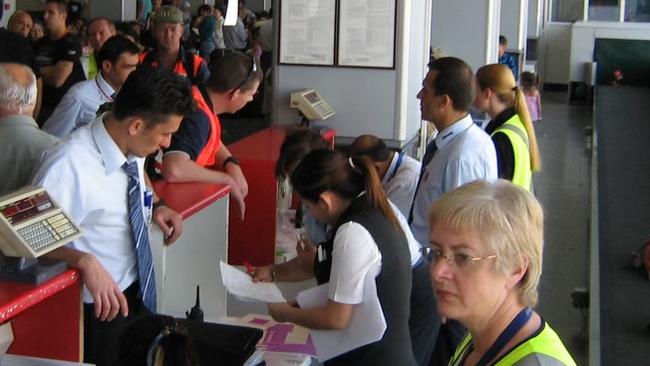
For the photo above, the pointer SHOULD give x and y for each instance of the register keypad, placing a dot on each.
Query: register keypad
(41, 234)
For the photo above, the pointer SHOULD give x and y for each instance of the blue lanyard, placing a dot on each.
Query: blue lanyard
(515, 326)
(397, 165)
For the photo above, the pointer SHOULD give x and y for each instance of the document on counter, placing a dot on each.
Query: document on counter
(366, 326)
(241, 285)
(16, 360)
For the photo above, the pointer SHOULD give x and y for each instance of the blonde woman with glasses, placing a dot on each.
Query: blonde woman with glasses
(485, 258)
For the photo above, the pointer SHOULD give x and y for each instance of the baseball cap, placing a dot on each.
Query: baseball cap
(168, 14)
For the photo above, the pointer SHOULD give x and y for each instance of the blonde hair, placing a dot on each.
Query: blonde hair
(501, 81)
(509, 221)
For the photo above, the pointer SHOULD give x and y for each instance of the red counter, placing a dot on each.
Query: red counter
(189, 198)
(253, 240)
(46, 319)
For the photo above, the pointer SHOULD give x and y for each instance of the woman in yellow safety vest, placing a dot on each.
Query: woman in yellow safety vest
(510, 127)
(485, 255)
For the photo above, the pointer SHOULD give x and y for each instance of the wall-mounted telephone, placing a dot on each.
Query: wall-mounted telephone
(311, 104)
(31, 224)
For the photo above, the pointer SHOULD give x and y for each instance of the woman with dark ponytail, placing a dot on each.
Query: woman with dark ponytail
(366, 240)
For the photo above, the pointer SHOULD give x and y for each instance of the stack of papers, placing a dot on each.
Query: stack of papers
(16, 360)
(241, 285)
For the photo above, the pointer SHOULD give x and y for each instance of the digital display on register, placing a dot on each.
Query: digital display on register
(19, 211)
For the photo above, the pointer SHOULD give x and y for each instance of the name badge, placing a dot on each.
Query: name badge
(322, 254)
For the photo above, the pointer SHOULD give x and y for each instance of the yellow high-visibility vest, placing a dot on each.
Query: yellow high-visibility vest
(516, 132)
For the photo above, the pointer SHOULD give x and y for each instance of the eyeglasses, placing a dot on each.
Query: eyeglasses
(250, 74)
(460, 260)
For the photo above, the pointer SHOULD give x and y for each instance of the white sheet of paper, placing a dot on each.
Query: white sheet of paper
(366, 326)
(231, 13)
(242, 286)
(16, 360)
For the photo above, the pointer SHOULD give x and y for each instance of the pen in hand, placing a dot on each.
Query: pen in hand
(249, 268)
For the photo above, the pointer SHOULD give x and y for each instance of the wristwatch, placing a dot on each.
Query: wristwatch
(158, 203)
(230, 159)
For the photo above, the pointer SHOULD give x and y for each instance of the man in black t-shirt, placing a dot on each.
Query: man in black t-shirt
(57, 57)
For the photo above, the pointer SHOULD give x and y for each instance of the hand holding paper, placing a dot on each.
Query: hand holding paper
(242, 286)
(367, 325)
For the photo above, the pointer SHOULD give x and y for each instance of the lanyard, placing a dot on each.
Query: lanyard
(397, 165)
(102, 92)
(515, 326)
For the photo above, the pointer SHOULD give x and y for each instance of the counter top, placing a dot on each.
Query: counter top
(18, 297)
(191, 197)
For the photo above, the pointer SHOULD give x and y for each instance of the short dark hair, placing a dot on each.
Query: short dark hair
(129, 29)
(297, 144)
(204, 8)
(456, 79)
(114, 47)
(528, 79)
(233, 70)
(153, 94)
(503, 40)
(371, 146)
(63, 5)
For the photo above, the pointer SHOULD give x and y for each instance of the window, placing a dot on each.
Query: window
(599, 10)
(604, 10)
(637, 11)
(567, 10)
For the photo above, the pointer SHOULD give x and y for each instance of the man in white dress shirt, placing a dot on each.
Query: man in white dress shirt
(460, 153)
(117, 58)
(399, 172)
(94, 176)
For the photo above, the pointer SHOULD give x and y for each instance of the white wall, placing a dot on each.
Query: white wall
(467, 29)
(366, 100)
(9, 8)
(514, 20)
(535, 16)
(129, 10)
(109, 9)
(583, 37)
(554, 53)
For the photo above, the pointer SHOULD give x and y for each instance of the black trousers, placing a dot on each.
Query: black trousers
(424, 321)
(101, 338)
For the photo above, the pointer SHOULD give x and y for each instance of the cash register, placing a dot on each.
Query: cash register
(31, 224)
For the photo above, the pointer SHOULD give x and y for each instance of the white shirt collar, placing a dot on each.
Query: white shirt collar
(391, 168)
(448, 134)
(105, 89)
(108, 149)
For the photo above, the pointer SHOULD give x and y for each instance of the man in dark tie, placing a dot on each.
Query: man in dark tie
(459, 154)
(97, 178)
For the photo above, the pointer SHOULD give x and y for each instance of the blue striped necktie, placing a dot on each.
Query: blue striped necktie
(140, 238)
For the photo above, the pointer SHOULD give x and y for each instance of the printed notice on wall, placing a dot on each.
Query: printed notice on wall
(367, 33)
(307, 32)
